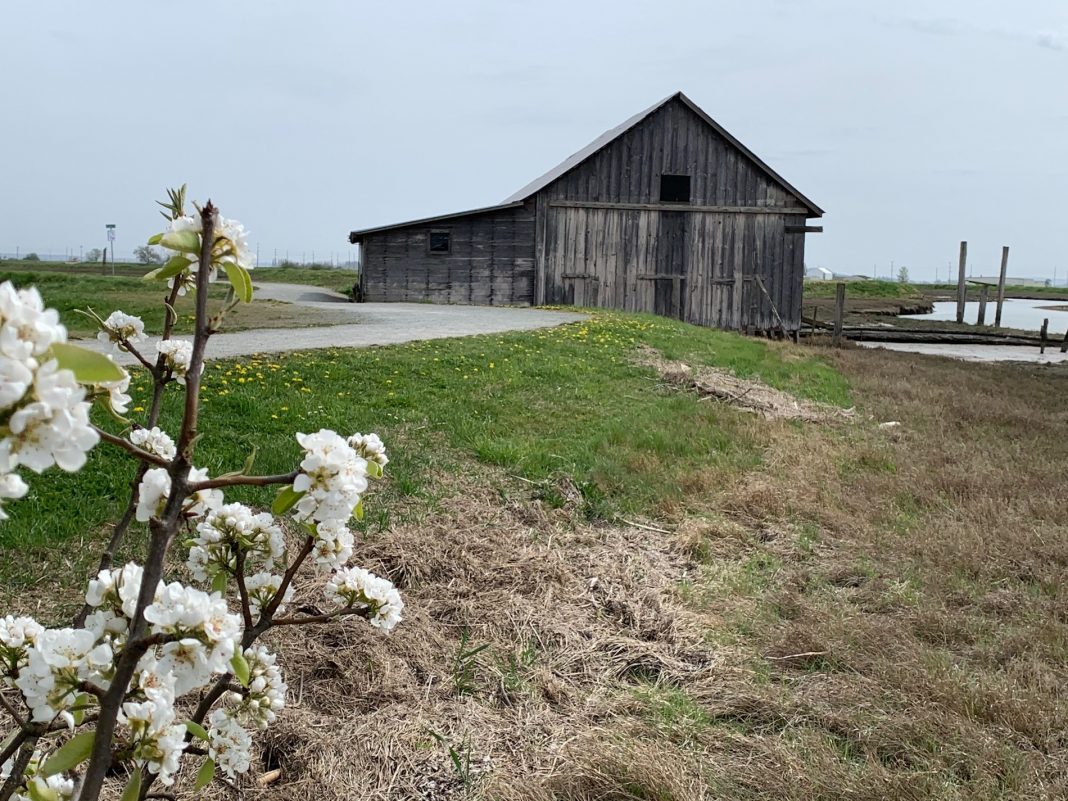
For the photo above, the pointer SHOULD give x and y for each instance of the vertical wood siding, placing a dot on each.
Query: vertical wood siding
(490, 261)
(672, 260)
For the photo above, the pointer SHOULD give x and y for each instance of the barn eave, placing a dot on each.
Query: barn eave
(357, 236)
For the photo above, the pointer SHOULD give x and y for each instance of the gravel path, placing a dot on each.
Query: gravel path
(372, 324)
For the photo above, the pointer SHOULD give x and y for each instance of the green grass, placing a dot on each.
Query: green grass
(66, 292)
(862, 289)
(338, 280)
(564, 402)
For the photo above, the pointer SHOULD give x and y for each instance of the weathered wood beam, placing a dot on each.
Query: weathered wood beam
(804, 229)
(591, 204)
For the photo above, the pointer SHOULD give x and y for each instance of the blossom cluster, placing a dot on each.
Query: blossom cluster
(231, 247)
(121, 329)
(230, 530)
(155, 489)
(332, 479)
(177, 355)
(354, 586)
(43, 408)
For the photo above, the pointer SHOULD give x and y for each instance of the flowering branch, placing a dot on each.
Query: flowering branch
(140, 644)
(130, 448)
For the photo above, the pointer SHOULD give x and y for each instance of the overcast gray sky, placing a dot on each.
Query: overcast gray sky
(914, 124)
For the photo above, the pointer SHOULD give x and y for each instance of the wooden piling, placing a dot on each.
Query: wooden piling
(1001, 284)
(839, 313)
(981, 319)
(1064, 343)
(961, 289)
(1042, 335)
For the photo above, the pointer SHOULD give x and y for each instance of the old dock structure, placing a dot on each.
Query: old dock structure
(666, 213)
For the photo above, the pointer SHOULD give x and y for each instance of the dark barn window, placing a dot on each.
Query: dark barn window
(674, 188)
(440, 242)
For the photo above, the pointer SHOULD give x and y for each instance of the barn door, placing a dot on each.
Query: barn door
(669, 291)
(581, 289)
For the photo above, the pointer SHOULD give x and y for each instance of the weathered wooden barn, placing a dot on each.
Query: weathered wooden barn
(666, 213)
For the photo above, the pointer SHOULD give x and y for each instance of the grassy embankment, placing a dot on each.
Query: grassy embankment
(66, 291)
(825, 612)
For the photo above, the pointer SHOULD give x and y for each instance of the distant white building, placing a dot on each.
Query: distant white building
(1010, 281)
(818, 274)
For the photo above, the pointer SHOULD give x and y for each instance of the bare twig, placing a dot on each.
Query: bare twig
(297, 621)
(645, 527)
(244, 481)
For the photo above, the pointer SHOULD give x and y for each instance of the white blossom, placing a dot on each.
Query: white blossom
(117, 397)
(265, 696)
(261, 588)
(54, 428)
(17, 634)
(353, 586)
(224, 532)
(156, 741)
(120, 327)
(333, 545)
(205, 633)
(27, 328)
(56, 665)
(238, 251)
(370, 447)
(229, 745)
(155, 488)
(11, 487)
(117, 589)
(177, 355)
(16, 376)
(333, 477)
(154, 441)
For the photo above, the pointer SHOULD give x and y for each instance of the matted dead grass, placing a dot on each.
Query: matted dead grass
(747, 394)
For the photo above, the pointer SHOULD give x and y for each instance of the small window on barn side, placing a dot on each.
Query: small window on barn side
(440, 242)
(674, 188)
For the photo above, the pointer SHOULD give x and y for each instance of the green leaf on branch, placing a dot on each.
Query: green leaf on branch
(88, 366)
(285, 500)
(196, 730)
(374, 470)
(71, 754)
(81, 704)
(240, 280)
(182, 241)
(133, 787)
(218, 584)
(205, 775)
(358, 511)
(241, 669)
(174, 266)
(39, 791)
(155, 240)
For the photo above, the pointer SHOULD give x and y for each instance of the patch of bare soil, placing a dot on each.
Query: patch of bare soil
(748, 394)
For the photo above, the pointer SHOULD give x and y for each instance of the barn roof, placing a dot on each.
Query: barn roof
(611, 135)
(356, 236)
(592, 148)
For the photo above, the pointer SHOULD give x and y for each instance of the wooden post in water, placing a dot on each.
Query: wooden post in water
(1001, 284)
(1042, 336)
(981, 319)
(839, 313)
(1064, 343)
(961, 290)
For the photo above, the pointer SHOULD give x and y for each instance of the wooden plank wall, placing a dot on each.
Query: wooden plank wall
(604, 236)
(490, 262)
